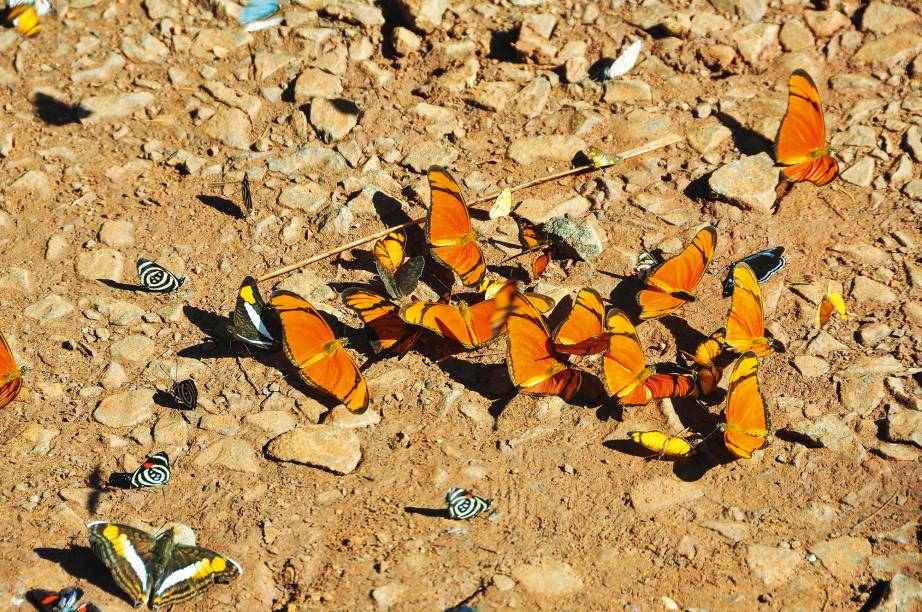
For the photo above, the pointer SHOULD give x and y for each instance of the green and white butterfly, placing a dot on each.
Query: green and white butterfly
(153, 569)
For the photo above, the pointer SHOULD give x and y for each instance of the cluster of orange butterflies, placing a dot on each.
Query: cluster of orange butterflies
(538, 358)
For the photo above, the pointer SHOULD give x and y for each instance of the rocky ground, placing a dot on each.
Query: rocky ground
(119, 119)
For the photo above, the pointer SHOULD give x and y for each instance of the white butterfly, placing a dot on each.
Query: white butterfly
(624, 63)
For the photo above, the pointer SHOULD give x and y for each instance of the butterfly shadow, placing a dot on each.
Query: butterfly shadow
(80, 563)
(108, 282)
(430, 512)
(686, 336)
(55, 112)
(746, 140)
(623, 296)
(390, 210)
(222, 205)
(501, 42)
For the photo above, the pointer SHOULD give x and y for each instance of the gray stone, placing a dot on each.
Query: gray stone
(231, 453)
(310, 198)
(773, 566)
(860, 173)
(530, 149)
(903, 594)
(248, 103)
(423, 15)
(117, 233)
(912, 141)
(548, 578)
(829, 431)
(316, 83)
(125, 409)
(899, 47)
(662, 493)
(171, 431)
(272, 422)
(492, 95)
(308, 159)
(884, 18)
(864, 366)
(751, 10)
(115, 107)
(824, 344)
(49, 308)
(33, 440)
(871, 334)
(352, 11)
(843, 557)
(826, 23)
(708, 135)
(582, 235)
(224, 424)
(114, 376)
(904, 426)
(333, 119)
(118, 312)
(404, 41)
(16, 279)
(533, 41)
(748, 182)
(33, 183)
(733, 531)
(267, 63)
(795, 36)
(754, 39)
(344, 418)
(388, 595)
(423, 155)
(898, 452)
(148, 49)
(230, 126)
(133, 349)
(102, 74)
(336, 450)
(862, 394)
(627, 91)
(101, 263)
(810, 366)
(865, 289)
(337, 218)
(532, 99)
(540, 211)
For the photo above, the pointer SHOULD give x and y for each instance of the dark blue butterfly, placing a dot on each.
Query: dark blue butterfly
(763, 264)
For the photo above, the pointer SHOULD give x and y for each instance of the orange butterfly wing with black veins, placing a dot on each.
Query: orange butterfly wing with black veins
(388, 332)
(582, 332)
(672, 283)
(800, 144)
(320, 358)
(747, 422)
(449, 232)
(533, 365)
(745, 329)
(390, 251)
(10, 376)
(470, 326)
(532, 240)
(624, 368)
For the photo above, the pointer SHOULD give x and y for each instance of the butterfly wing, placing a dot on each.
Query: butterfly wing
(449, 231)
(671, 284)
(746, 325)
(388, 332)
(581, 333)
(407, 276)
(533, 365)
(747, 423)
(257, 9)
(154, 472)
(623, 64)
(389, 252)
(800, 143)
(832, 301)
(320, 358)
(129, 555)
(623, 364)
(660, 443)
(190, 571)
(10, 375)
(252, 322)
(764, 264)
(670, 385)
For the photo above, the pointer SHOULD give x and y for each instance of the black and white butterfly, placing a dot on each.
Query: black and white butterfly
(185, 393)
(247, 195)
(155, 277)
(252, 322)
(65, 600)
(645, 262)
(154, 569)
(463, 504)
(154, 472)
(764, 264)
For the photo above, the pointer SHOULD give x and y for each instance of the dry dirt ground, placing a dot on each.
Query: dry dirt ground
(120, 117)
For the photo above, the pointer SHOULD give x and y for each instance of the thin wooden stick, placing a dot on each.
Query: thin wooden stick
(876, 512)
(653, 145)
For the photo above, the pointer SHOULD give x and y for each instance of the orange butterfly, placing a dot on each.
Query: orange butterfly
(627, 375)
(705, 358)
(832, 301)
(671, 284)
(471, 326)
(747, 423)
(583, 331)
(745, 326)
(534, 241)
(490, 288)
(398, 273)
(319, 356)
(449, 232)
(800, 144)
(388, 332)
(10, 374)
(533, 364)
